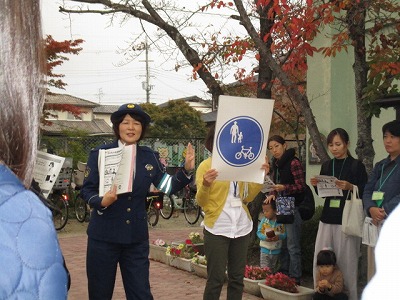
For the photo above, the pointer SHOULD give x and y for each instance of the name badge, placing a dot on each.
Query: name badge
(376, 196)
(236, 203)
(334, 203)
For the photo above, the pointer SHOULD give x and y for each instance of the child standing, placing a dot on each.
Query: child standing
(271, 235)
(329, 283)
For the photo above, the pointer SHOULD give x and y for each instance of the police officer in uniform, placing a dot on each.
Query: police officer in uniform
(118, 232)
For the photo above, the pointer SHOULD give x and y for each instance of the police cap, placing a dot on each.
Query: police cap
(132, 109)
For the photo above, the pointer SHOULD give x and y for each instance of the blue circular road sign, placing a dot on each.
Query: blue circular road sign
(240, 140)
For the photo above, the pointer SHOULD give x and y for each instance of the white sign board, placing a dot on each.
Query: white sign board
(46, 170)
(241, 134)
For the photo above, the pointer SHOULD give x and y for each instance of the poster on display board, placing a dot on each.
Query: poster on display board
(240, 141)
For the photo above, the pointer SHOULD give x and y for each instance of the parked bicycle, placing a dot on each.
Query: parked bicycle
(82, 210)
(57, 202)
(189, 206)
(154, 203)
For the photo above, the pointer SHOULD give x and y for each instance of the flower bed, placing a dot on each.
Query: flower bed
(271, 293)
(196, 242)
(251, 286)
(157, 251)
(282, 282)
(253, 275)
(199, 266)
(279, 286)
(181, 263)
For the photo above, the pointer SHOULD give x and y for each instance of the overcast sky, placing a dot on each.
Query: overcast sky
(94, 74)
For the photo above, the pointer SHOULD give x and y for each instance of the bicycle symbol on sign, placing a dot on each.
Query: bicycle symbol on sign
(246, 153)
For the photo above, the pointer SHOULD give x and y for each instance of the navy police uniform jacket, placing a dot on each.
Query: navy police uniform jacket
(125, 221)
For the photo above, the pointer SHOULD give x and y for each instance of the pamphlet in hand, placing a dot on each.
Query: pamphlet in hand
(327, 187)
(267, 185)
(46, 170)
(117, 166)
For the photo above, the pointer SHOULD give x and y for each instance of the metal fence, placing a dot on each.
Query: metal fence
(172, 151)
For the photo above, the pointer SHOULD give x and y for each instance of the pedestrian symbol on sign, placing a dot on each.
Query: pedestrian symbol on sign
(239, 141)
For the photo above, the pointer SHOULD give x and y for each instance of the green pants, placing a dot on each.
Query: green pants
(223, 254)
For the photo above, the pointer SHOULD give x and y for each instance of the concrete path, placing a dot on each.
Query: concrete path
(166, 282)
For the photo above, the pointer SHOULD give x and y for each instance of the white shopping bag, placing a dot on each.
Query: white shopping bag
(370, 232)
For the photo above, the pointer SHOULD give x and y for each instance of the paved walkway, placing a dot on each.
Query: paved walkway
(166, 282)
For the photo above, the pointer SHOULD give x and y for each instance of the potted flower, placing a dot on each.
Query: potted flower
(197, 242)
(256, 272)
(181, 250)
(160, 242)
(157, 251)
(199, 265)
(253, 275)
(181, 256)
(279, 286)
(281, 282)
(199, 260)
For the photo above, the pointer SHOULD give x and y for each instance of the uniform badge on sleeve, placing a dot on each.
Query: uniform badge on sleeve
(87, 172)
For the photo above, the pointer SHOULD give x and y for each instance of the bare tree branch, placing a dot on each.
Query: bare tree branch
(283, 77)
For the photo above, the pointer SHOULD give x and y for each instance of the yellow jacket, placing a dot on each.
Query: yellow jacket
(212, 199)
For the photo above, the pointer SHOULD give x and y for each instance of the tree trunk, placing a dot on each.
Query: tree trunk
(355, 20)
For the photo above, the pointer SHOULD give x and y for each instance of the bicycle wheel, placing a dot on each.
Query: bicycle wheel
(168, 207)
(60, 211)
(191, 210)
(152, 216)
(80, 208)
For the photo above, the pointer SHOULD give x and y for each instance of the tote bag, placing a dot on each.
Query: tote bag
(285, 209)
(353, 215)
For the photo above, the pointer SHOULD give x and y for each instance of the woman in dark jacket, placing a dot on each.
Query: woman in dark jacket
(382, 192)
(118, 232)
(287, 173)
(349, 172)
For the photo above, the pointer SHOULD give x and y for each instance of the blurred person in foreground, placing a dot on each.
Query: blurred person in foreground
(385, 283)
(227, 225)
(118, 232)
(30, 256)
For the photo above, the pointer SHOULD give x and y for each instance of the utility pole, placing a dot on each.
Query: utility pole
(146, 84)
(100, 94)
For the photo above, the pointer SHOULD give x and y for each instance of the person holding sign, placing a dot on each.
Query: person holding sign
(382, 192)
(227, 225)
(348, 171)
(118, 232)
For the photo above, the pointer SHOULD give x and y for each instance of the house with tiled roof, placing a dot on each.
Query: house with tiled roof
(104, 112)
(61, 121)
(195, 102)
